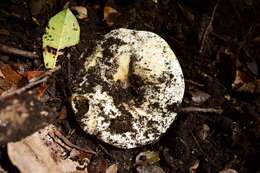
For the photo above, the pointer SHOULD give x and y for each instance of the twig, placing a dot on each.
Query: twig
(22, 89)
(197, 143)
(33, 82)
(203, 110)
(194, 83)
(207, 30)
(16, 51)
(68, 143)
(105, 150)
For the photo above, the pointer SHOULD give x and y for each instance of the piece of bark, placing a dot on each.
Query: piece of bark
(22, 115)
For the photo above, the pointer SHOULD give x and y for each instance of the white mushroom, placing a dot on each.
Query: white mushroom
(132, 85)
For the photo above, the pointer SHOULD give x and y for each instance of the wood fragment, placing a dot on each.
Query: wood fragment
(203, 110)
(194, 83)
(15, 51)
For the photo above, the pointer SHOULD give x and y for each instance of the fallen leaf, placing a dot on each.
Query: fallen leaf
(1, 74)
(110, 15)
(10, 74)
(243, 83)
(4, 32)
(62, 31)
(9, 78)
(240, 79)
(198, 96)
(82, 12)
(2, 170)
(155, 1)
(41, 90)
(204, 132)
(98, 166)
(252, 87)
(37, 6)
(40, 153)
(32, 74)
(112, 169)
(229, 170)
(195, 166)
(147, 157)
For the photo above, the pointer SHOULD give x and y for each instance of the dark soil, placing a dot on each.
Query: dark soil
(213, 40)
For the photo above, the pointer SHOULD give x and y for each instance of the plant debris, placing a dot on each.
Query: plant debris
(218, 124)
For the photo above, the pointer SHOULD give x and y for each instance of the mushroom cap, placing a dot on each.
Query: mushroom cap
(132, 85)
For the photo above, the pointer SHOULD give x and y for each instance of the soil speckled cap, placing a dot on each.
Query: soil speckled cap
(132, 85)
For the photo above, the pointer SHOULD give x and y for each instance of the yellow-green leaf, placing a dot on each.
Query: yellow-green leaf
(62, 31)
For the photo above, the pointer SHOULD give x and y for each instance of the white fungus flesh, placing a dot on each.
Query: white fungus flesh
(132, 86)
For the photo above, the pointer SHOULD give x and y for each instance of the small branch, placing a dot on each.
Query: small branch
(194, 83)
(22, 89)
(33, 82)
(203, 110)
(207, 30)
(68, 143)
(16, 51)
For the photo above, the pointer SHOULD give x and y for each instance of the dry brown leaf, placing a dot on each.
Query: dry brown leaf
(37, 7)
(228, 170)
(204, 132)
(82, 12)
(1, 74)
(32, 74)
(110, 15)
(240, 79)
(112, 169)
(250, 87)
(243, 83)
(40, 153)
(99, 165)
(41, 90)
(195, 166)
(2, 170)
(11, 76)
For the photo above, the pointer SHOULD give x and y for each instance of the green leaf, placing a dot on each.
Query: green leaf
(62, 31)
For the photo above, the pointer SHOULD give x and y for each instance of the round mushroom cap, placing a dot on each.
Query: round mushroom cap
(132, 86)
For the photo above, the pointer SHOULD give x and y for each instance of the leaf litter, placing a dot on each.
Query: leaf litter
(220, 150)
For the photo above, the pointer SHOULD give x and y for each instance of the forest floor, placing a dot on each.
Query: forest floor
(217, 44)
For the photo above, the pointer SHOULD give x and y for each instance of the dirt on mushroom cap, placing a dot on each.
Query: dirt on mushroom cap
(133, 81)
